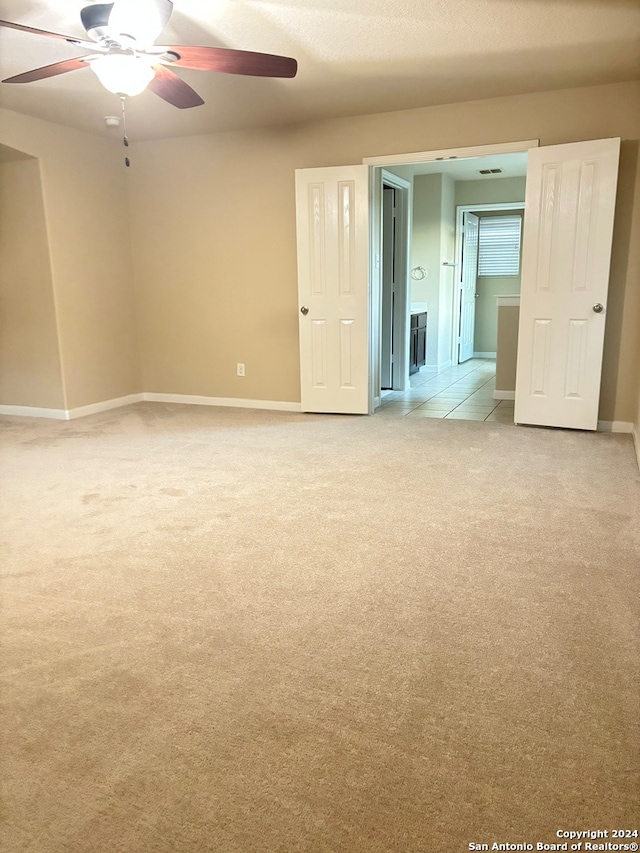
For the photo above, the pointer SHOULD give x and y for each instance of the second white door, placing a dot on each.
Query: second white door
(568, 228)
(468, 284)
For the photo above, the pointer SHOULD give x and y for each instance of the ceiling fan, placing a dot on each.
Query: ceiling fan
(126, 60)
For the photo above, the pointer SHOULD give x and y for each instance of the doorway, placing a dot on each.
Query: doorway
(567, 249)
(434, 283)
(480, 285)
(395, 235)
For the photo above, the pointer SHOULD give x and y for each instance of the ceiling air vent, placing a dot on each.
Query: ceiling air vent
(490, 171)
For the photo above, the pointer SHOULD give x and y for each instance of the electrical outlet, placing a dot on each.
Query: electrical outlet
(240, 368)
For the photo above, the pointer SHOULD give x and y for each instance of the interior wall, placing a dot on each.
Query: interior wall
(219, 285)
(486, 325)
(85, 207)
(507, 347)
(636, 428)
(30, 373)
(631, 262)
(426, 251)
(490, 190)
(213, 229)
(447, 273)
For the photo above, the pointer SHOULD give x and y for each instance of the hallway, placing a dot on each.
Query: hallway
(462, 392)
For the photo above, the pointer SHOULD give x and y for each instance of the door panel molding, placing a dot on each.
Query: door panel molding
(332, 207)
(467, 285)
(568, 230)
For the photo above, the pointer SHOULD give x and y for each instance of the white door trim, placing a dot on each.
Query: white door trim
(375, 184)
(404, 219)
(451, 153)
(466, 283)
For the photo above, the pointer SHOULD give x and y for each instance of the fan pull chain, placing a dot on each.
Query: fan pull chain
(125, 138)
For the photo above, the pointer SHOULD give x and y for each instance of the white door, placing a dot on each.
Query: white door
(468, 283)
(333, 288)
(568, 226)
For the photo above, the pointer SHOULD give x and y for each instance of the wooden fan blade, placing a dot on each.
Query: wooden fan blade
(48, 71)
(230, 61)
(173, 89)
(81, 42)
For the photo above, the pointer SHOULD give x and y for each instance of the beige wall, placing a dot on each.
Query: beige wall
(426, 253)
(213, 229)
(448, 273)
(507, 347)
(432, 243)
(490, 191)
(486, 328)
(85, 205)
(636, 429)
(425, 237)
(214, 233)
(30, 372)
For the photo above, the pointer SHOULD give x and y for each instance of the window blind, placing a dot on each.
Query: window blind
(499, 245)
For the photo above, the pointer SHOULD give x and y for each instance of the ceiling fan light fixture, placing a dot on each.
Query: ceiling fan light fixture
(123, 74)
(138, 22)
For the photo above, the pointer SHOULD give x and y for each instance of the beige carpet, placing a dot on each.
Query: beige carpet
(236, 631)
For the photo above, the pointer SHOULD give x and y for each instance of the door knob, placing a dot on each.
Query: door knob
(304, 310)
(598, 308)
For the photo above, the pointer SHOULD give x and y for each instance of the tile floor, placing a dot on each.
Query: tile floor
(462, 392)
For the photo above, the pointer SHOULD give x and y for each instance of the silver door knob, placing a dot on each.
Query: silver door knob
(304, 310)
(598, 308)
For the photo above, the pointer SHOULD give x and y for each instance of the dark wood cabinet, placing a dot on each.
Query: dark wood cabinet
(418, 342)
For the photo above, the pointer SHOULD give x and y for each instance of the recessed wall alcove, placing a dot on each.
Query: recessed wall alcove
(30, 373)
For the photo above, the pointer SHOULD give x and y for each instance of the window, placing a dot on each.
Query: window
(499, 245)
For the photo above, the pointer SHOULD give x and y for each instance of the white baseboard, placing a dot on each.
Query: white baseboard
(70, 414)
(484, 355)
(236, 402)
(443, 365)
(105, 405)
(118, 402)
(615, 426)
(35, 412)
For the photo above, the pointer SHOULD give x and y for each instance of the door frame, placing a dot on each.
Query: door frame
(402, 249)
(462, 291)
(377, 165)
(461, 209)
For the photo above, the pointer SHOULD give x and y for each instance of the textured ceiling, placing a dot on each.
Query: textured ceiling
(468, 169)
(356, 57)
